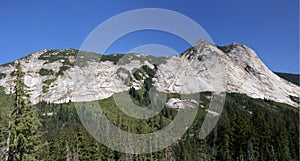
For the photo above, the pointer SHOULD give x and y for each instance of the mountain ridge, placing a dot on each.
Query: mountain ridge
(49, 73)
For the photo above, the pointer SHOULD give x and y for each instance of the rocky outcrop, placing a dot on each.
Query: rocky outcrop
(204, 67)
(181, 104)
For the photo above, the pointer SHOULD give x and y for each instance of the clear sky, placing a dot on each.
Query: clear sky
(270, 27)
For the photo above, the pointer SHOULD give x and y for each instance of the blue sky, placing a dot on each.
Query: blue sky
(270, 27)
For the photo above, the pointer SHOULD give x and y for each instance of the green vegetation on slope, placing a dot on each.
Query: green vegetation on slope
(226, 49)
(2, 75)
(248, 129)
(112, 57)
(44, 71)
(47, 83)
(55, 55)
(293, 78)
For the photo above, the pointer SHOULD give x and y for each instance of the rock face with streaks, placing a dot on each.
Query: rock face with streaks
(68, 75)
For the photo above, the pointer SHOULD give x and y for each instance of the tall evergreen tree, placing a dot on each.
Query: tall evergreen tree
(5, 119)
(24, 123)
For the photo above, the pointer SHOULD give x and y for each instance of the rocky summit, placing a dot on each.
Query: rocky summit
(58, 76)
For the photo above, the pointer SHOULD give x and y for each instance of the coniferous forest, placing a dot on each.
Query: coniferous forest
(248, 130)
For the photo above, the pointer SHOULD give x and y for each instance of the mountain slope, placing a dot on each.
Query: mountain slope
(245, 72)
(248, 129)
(56, 76)
(293, 78)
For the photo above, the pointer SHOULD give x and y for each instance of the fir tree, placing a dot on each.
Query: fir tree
(24, 123)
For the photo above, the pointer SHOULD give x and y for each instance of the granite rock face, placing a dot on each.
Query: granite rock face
(236, 67)
(56, 76)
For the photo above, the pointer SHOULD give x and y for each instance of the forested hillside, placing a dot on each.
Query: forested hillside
(248, 129)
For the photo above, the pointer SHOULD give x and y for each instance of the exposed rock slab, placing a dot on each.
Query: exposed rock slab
(204, 67)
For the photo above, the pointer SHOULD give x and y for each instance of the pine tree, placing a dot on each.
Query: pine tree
(223, 140)
(24, 123)
(87, 146)
(5, 132)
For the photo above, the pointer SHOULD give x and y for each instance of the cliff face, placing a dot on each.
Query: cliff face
(58, 75)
